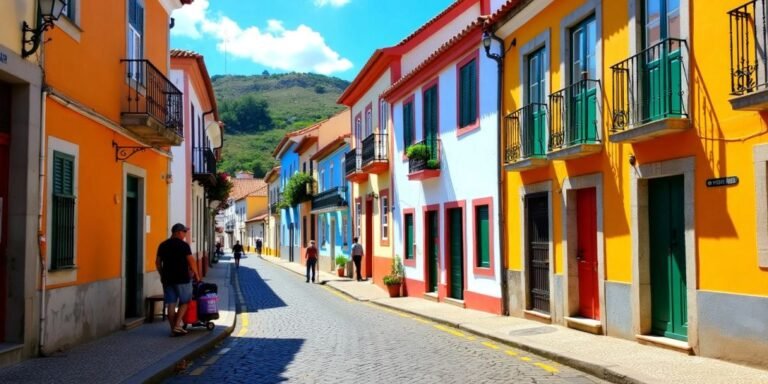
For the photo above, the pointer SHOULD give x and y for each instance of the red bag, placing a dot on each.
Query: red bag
(190, 316)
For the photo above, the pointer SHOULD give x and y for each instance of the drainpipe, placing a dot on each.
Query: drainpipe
(500, 173)
(41, 241)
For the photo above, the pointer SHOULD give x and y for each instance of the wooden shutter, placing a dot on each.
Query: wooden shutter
(62, 211)
(407, 125)
(409, 236)
(483, 236)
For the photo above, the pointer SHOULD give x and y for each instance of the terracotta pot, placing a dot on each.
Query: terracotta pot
(340, 271)
(394, 290)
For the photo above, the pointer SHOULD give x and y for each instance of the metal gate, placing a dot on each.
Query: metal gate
(538, 251)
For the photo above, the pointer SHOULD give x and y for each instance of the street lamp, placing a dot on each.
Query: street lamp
(48, 11)
(487, 42)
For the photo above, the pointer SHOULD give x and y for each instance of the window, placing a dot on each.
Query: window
(70, 10)
(322, 180)
(63, 211)
(468, 94)
(368, 120)
(331, 182)
(383, 114)
(384, 213)
(344, 229)
(136, 37)
(430, 117)
(358, 214)
(358, 130)
(323, 231)
(408, 120)
(409, 236)
(482, 231)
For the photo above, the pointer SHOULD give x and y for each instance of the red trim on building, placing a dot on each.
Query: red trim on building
(485, 7)
(409, 262)
(424, 210)
(480, 302)
(447, 241)
(480, 271)
(460, 131)
(382, 241)
(414, 288)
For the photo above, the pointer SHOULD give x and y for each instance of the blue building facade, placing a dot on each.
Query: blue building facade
(290, 223)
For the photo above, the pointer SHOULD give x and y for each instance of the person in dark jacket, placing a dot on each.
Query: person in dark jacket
(237, 249)
(311, 256)
(175, 263)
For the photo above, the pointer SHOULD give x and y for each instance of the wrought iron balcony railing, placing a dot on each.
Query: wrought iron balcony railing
(203, 162)
(273, 207)
(332, 197)
(525, 132)
(650, 85)
(749, 71)
(374, 148)
(352, 161)
(153, 108)
(416, 164)
(573, 115)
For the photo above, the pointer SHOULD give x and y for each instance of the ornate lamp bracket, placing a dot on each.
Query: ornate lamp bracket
(123, 153)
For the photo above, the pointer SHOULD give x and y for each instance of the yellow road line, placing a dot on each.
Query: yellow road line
(490, 345)
(242, 332)
(339, 294)
(212, 360)
(547, 367)
(199, 371)
(524, 358)
(511, 353)
(449, 330)
(244, 319)
(420, 320)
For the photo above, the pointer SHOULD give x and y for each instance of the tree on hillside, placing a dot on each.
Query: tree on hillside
(246, 115)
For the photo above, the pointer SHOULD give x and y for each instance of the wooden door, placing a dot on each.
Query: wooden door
(134, 265)
(666, 224)
(586, 254)
(538, 251)
(368, 258)
(456, 243)
(432, 249)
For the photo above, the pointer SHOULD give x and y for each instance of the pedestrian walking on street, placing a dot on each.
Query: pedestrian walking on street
(174, 262)
(237, 249)
(258, 246)
(311, 256)
(357, 257)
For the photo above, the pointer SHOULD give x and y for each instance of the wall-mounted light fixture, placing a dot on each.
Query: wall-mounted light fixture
(372, 195)
(48, 11)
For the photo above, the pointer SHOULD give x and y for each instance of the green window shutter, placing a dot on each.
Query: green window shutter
(409, 236)
(62, 211)
(483, 236)
(407, 125)
(472, 91)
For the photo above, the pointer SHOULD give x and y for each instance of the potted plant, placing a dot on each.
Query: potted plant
(418, 151)
(341, 262)
(394, 279)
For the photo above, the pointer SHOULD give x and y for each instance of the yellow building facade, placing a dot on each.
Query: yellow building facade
(634, 154)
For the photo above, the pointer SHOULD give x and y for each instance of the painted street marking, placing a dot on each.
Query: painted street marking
(449, 330)
(212, 360)
(345, 297)
(199, 371)
(420, 320)
(244, 320)
(511, 353)
(490, 345)
(547, 368)
(224, 350)
(472, 338)
(526, 359)
(242, 332)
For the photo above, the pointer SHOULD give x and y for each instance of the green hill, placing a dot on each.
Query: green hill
(258, 110)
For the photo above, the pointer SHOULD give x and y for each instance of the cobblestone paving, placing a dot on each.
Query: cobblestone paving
(290, 331)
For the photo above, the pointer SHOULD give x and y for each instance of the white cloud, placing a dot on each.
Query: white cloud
(301, 49)
(332, 3)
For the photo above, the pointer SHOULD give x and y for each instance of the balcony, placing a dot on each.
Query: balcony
(152, 107)
(353, 162)
(330, 199)
(649, 93)
(574, 129)
(230, 226)
(375, 154)
(749, 69)
(273, 207)
(203, 166)
(525, 138)
(426, 166)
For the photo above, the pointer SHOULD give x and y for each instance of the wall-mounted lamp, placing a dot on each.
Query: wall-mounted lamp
(372, 195)
(48, 11)
(632, 160)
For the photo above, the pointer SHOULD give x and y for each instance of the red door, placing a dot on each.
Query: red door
(586, 256)
(368, 258)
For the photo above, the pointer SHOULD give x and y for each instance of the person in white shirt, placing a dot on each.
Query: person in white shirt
(357, 257)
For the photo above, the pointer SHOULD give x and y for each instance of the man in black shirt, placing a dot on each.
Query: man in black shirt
(174, 262)
(237, 249)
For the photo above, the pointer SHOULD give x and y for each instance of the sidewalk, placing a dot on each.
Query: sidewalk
(609, 358)
(142, 354)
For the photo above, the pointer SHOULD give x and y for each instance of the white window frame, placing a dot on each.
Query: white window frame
(72, 149)
(384, 213)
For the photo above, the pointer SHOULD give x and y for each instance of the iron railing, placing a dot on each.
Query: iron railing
(749, 40)
(524, 133)
(352, 161)
(203, 161)
(573, 115)
(63, 232)
(151, 93)
(374, 148)
(331, 197)
(273, 207)
(432, 162)
(650, 85)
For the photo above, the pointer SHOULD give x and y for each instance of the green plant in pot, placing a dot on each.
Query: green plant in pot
(394, 279)
(418, 152)
(341, 262)
(433, 164)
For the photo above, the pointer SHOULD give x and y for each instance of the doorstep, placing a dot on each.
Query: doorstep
(431, 296)
(537, 316)
(666, 343)
(585, 324)
(455, 302)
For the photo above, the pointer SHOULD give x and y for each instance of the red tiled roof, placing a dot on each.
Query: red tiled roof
(259, 217)
(502, 12)
(430, 22)
(244, 187)
(272, 172)
(187, 54)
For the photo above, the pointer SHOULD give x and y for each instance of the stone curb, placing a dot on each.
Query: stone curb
(164, 368)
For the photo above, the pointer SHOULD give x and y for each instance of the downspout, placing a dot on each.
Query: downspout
(41, 241)
(500, 173)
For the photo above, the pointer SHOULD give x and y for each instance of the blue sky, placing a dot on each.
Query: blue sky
(332, 37)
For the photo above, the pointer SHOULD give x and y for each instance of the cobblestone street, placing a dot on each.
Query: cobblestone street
(292, 331)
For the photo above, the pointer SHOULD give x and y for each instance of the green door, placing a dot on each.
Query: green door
(669, 309)
(456, 242)
(432, 249)
(133, 261)
(582, 127)
(662, 60)
(535, 127)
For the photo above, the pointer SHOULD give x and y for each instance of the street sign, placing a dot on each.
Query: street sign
(722, 181)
